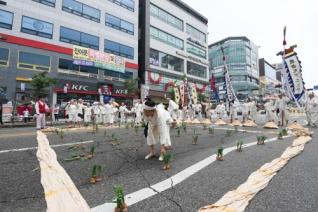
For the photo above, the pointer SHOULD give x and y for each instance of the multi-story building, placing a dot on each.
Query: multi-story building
(44, 35)
(279, 68)
(173, 43)
(267, 78)
(242, 61)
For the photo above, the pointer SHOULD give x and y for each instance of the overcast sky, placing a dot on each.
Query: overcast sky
(263, 22)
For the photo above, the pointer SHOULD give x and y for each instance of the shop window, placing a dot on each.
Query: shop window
(82, 10)
(119, 24)
(37, 27)
(79, 38)
(67, 65)
(119, 49)
(6, 19)
(50, 3)
(128, 4)
(4, 57)
(166, 61)
(36, 62)
(196, 70)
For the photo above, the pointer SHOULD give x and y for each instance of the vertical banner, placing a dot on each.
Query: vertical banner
(144, 92)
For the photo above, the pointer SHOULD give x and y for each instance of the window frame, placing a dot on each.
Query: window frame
(81, 13)
(119, 53)
(119, 3)
(169, 15)
(169, 58)
(166, 41)
(3, 24)
(193, 28)
(198, 55)
(120, 23)
(33, 67)
(6, 61)
(206, 70)
(36, 33)
(46, 2)
(75, 42)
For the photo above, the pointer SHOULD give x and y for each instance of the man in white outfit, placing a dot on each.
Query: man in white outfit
(40, 108)
(253, 110)
(312, 103)
(173, 108)
(87, 113)
(159, 121)
(220, 110)
(122, 111)
(108, 118)
(138, 109)
(281, 105)
(269, 108)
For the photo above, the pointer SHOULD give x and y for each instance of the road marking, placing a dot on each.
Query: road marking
(147, 192)
(57, 145)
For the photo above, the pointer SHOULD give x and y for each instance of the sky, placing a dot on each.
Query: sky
(263, 22)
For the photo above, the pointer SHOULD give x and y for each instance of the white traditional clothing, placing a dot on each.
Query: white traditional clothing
(79, 112)
(253, 110)
(159, 128)
(138, 109)
(173, 109)
(198, 110)
(245, 110)
(123, 110)
(71, 112)
(220, 110)
(235, 107)
(108, 114)
(270, 115)
(312, 105)
(281, 104)
(97, 113)
(87, 114)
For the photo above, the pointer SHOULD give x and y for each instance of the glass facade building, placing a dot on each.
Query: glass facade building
(242, 61)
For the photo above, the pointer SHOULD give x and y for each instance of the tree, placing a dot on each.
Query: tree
(40, 82)
(132, 86)
(201, 97)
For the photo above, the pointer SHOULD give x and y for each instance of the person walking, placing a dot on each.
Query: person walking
(41, 108)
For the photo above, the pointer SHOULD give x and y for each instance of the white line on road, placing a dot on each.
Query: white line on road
(57, 145)
(145, 193)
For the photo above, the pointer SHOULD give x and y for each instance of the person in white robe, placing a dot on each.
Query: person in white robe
(97, 109)
(172, 108)
(269, 109)
(122, 111)
(220, 110)
(71, 112)
(253, 110)
(108, 112)
(281, 105)
(245, 110)
(312, 103)
(198, 110)
(138, 109)
(159, 121)
(79, 112)
(87, 113)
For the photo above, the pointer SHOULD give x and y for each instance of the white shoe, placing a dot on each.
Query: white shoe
(161, 157)
(150, 155)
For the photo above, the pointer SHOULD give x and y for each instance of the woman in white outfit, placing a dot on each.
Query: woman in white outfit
(159, 121)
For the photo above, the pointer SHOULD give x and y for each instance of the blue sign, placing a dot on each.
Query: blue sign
(316, 87)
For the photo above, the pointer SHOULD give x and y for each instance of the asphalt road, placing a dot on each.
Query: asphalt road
(293, 189)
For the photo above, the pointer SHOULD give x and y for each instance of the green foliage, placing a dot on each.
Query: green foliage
(195, 137)
(211, 130)
(236, 129)
(171, 94)
(93, 148)
(136, 129)
(178, 131)
(184, 126)
(239, 145)
(228, 133)
(280, 135)
(96, 170)
(220, 151)
(166, 158)
(201, 97)
(132, 86)
(284, 132)
(119, 196)
(41, 81)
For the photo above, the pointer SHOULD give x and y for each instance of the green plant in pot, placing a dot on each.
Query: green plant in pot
(166, 161)
(178, 131)
(95, 175)
(184, 126)
(121, 206)
(280, 135)
(211, 130)
(228, 133)
(219, 155)
(195, 138)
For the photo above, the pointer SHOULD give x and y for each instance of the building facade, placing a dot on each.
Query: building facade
(267, 77)
(279, 68)
(41, 35)
(173, 43)
(242, 61)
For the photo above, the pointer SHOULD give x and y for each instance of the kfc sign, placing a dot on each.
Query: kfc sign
(76, 87)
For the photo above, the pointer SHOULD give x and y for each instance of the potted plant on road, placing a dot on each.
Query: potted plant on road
(211, 130)
(121, 206)
(195, 138)
(95, 175)
(219, 155)
(166, 161)
(239, 145)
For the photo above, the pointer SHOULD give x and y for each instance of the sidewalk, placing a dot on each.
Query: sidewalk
(30, 124)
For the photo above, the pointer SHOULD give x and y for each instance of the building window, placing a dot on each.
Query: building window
(119, 49)
(6, 19)
(166, 17)
(79, 38)
(195, 33)
(37, 27)
(50, 3)
(128, 4)
(166, 61)
(166, 38)
(115, 74)
(82, 10)
(196, 70)
(66, 64)
(117, 23)
(4, 57)
(196, 51)
(36, 62)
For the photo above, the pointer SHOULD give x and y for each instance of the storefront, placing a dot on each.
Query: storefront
(118, 93)
(66, 90)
